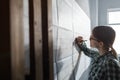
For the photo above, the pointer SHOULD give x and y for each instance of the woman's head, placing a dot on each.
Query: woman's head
(104, 34)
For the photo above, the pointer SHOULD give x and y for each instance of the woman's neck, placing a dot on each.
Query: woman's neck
(101, 51)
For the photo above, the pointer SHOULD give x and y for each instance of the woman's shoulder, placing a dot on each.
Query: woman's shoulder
(111, 61)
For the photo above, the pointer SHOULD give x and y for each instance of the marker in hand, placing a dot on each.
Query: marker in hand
(77, 42)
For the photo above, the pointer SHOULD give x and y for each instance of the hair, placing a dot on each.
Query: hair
(106, 34)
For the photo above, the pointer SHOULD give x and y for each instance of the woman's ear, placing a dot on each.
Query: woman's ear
(101, 44)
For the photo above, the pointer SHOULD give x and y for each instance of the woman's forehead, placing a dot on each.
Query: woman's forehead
(91, 35)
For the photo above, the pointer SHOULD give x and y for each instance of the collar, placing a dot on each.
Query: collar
(107, 55)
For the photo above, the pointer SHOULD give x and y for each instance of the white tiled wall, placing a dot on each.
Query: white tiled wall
(69, 21)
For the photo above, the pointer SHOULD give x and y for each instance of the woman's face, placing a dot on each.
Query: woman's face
(93, 42)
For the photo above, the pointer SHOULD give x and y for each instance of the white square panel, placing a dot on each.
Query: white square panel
(65, 15)
(64, 46)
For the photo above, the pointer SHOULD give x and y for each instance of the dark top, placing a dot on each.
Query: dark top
(105, 67)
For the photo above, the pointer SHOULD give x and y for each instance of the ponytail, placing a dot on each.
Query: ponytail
(114, 52)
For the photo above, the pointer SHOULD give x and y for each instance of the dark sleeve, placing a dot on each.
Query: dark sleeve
(87, 51)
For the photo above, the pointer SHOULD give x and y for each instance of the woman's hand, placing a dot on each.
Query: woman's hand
(77, 42)
(79, 39)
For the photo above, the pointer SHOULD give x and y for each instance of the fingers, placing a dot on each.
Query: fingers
(79, 39)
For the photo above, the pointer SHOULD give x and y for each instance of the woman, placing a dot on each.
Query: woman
(104, 64)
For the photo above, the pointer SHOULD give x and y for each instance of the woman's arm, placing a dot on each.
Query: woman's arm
(81, 46)
(88, 52)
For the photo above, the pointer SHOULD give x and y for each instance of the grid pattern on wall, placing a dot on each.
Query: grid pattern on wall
(69, 21)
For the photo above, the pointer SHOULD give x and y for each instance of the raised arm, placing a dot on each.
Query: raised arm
(88, 52)
(81, 46)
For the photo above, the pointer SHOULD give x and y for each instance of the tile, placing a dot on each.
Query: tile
(81, 21)
(65, 69)
(55, 40)
(64, 45)
(75, 59)
(54, 12)
(64, 63)
(65, 15)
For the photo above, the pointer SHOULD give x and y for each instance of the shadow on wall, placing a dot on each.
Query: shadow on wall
(62, 66)
(74, 72)
(58, 65)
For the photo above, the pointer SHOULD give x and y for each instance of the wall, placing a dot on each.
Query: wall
(90, 7)
(69, 21)
(102, 9)
(93, 13)
(84, 4)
